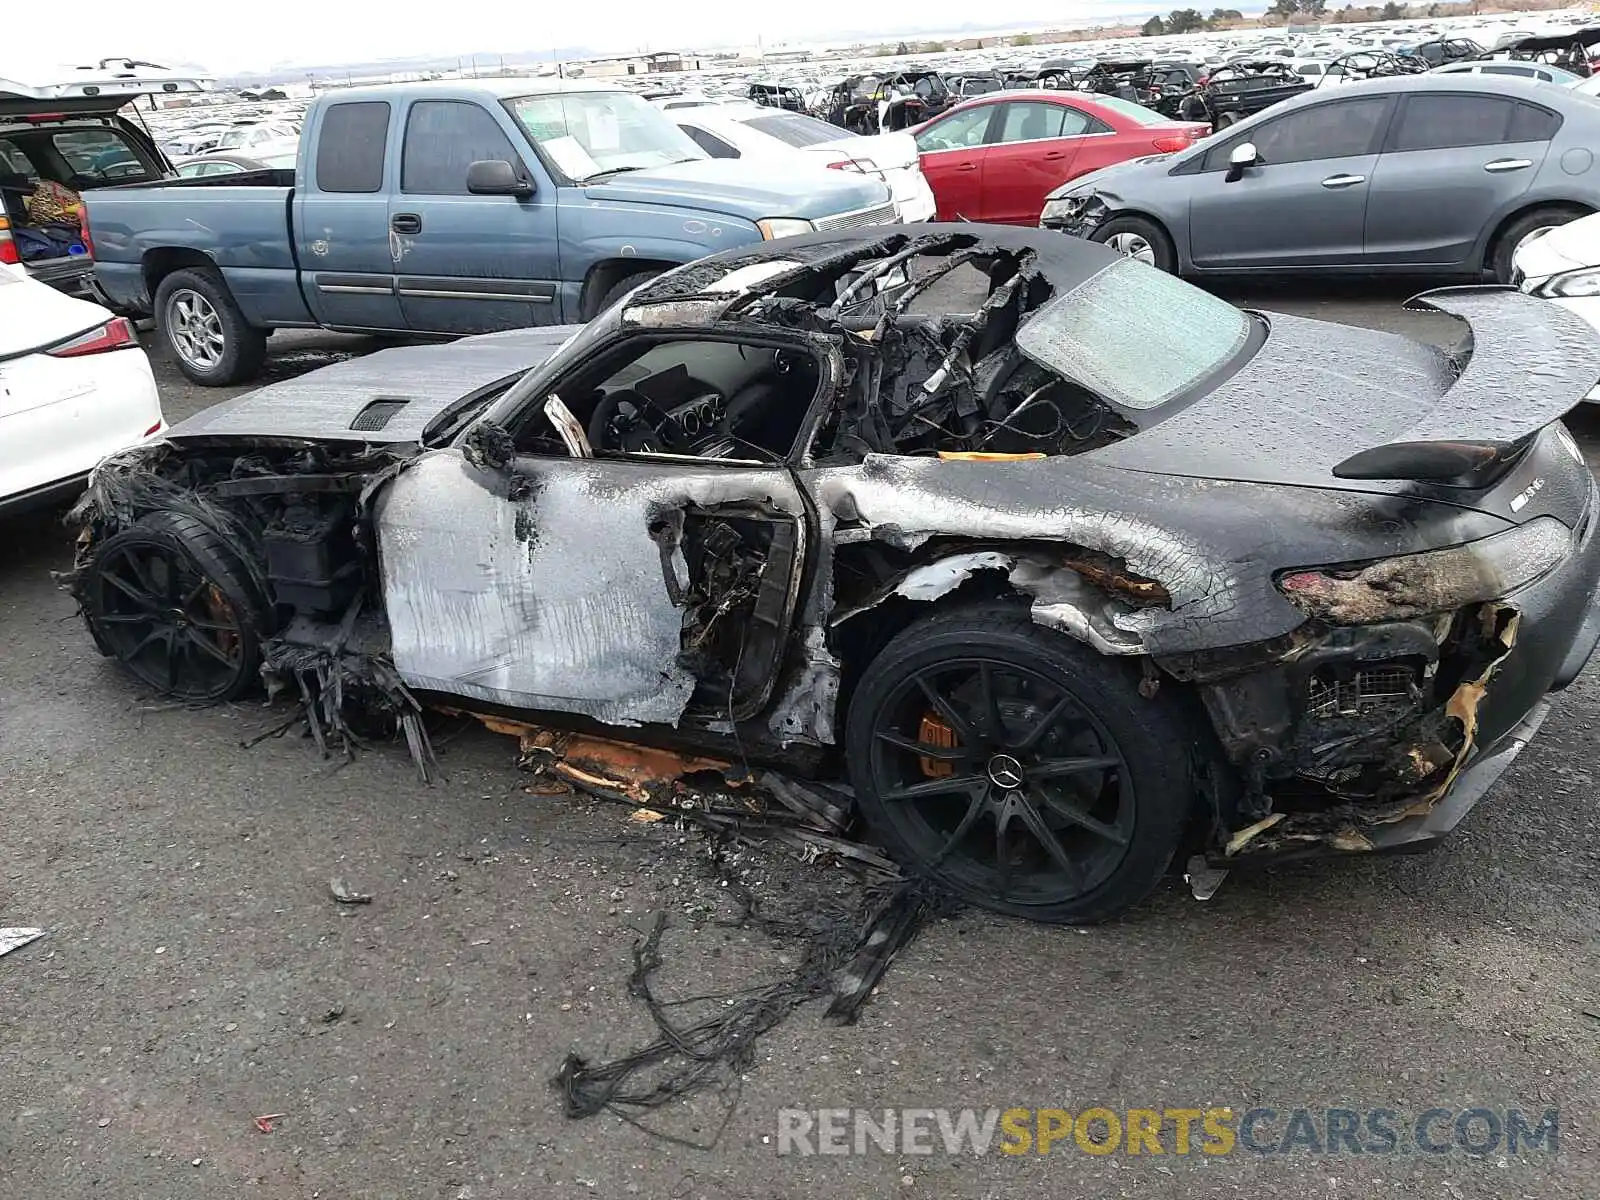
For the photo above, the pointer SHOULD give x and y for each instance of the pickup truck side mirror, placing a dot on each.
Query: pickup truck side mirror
(497, 177)
(1243, 156)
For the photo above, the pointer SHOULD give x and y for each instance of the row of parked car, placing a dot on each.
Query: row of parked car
(462, 207)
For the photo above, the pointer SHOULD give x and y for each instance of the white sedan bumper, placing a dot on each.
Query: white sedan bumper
(60, 416)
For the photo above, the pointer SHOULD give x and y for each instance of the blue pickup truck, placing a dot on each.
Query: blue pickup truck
(443, 208)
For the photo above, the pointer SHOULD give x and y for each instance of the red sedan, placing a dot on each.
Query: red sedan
(996, 157)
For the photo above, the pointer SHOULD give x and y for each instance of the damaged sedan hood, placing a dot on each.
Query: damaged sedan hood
(1317, 393)
(385, 398)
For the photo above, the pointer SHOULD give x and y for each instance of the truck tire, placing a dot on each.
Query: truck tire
(203, 328)
(621, 288)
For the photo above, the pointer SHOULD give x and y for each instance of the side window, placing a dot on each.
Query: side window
(1337, 130)
(14, 162)
(710, 143)
(1030, 122)
(1439, 121)
(960, 131)
(351, 147)
(443, 138)
(1530, 123)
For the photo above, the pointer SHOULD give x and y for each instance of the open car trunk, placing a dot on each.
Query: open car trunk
(60, 139)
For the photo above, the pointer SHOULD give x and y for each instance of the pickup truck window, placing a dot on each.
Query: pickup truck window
(350, 148)
(589, 134)
(443, 138)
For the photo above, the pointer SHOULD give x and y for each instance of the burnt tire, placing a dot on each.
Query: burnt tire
(201, 325)
(976, 739)
(621, 288)
(172, 603)
(1139, 238)
(1514, 234)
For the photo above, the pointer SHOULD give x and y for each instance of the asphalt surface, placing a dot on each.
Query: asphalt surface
(197, 973)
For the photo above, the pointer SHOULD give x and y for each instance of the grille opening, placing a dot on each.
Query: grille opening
(377, 414)
(1364, 692)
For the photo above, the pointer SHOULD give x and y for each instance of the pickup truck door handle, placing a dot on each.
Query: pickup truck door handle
(1343, 181)
(1508, 164)
(405, 223)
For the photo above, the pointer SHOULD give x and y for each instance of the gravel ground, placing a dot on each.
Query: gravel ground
(197, 974)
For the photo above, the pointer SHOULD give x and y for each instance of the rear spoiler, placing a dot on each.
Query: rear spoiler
(1525, 363)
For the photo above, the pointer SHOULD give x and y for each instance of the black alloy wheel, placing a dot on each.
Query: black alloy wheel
(168, 601)
(1019, 768)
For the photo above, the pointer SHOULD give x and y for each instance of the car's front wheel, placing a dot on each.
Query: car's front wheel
(170, 601)
(1019, 768)
(1139, 239)
(205, 331)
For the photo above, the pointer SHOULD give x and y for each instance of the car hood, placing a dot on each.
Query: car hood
(1316, 393)
(411, 384)
(772, 188)
(1565, 248)
(1110, 177)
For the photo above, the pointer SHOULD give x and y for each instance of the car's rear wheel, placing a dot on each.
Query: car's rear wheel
(205, 331)
(1140, 239)
(172, 604)
(1503, 261)
(1018, 768)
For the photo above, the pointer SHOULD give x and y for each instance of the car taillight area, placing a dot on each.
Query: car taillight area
(115, 334)
(1174, 140)
(8, 245)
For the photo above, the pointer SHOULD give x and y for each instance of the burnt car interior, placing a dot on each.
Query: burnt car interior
(699, 397)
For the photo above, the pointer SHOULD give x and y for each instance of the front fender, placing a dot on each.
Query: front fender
(595, 231)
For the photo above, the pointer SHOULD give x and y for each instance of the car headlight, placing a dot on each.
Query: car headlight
(1585, 282)
(781, 227)
(1063, 208)
(1435, 581)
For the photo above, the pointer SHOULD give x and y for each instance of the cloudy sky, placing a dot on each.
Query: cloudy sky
(234, 37)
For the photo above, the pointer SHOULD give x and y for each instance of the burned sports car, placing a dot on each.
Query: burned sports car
(1064, 566)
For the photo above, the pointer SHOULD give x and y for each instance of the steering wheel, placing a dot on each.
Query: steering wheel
(624, 420)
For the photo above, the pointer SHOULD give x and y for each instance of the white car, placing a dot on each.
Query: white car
(753, 131)
(1562, 264)
(74, 387)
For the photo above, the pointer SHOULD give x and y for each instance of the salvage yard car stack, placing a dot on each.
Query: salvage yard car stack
(1091, 572)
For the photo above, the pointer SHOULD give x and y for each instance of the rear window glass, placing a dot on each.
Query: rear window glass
(350, 148)
(1134, 112)
(1135, 336)
(1530, 123)
(99, 155)
(1448, 120)
(796, 130)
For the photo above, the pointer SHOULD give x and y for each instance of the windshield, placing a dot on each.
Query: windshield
(1134, 112)
(589, 134)
(233, 140)
(795, 130)
(1135, 336)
